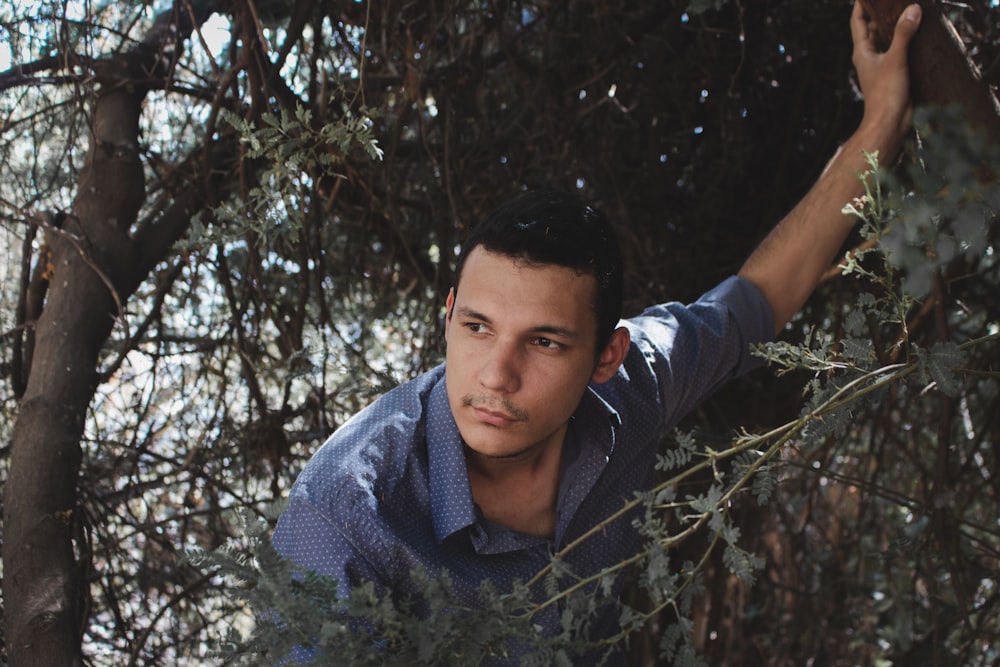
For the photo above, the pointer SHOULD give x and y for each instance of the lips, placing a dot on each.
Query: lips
(494, 418)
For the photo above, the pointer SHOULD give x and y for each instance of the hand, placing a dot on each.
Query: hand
(884, 77)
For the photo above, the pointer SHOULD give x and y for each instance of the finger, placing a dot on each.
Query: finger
(860, 33)
(906, 27)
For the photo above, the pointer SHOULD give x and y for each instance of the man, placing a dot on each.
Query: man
(548, 411)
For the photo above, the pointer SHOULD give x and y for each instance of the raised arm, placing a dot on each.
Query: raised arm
(788, 264)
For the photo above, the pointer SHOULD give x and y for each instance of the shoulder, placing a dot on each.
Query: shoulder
(681, 352)
(734, 313)
(734, 305)
(380, 447)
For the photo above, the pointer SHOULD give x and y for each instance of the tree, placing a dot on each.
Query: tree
(96, 265)
(220, 243)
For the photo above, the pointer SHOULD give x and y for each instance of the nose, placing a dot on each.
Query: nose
(500, 370)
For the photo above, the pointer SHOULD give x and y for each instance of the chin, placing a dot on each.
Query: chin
(489, 446)
(502, 454)
(494, 448)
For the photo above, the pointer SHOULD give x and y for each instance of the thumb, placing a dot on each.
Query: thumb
(906, 26)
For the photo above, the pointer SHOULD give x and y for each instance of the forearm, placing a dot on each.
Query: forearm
(790, 261)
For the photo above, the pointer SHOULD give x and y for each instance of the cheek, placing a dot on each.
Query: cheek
(562, 391)
(459, 362)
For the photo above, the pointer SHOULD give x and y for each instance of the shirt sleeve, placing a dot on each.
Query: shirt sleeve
(690, 350)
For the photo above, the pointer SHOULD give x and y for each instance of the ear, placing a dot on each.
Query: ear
(612, 356)
(449, 305)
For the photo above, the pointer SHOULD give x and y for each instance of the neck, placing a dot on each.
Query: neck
(507, 469)
(518, 491)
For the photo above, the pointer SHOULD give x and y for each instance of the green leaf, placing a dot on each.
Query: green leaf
(940, 363)
(764, 484)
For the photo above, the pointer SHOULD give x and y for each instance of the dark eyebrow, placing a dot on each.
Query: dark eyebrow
(542, 329)
(465, 311)
(551, 330)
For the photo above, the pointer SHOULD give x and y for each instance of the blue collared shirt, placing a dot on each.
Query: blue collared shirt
(389, 491)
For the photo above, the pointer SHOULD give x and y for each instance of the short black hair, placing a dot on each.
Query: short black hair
(555, 227)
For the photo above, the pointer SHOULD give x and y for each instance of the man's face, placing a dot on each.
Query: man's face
(521, 350)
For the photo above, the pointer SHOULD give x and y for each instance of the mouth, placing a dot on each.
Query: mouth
(493, 417)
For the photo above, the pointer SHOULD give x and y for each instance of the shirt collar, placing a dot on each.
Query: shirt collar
(590, 441)
(452, 508)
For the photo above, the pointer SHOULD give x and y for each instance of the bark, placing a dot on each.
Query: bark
(97, 266)
(42, 587)
(940, 70)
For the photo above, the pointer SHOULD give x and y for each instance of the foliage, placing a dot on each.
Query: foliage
(906, 383)
(312, 278)
(295, 616)
(294, 151)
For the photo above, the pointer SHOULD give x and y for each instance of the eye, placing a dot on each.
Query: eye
(547, 343)
(475, 327)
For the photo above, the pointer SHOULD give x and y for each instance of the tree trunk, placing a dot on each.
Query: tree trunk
(97, 267)
(42, 584)
(941, 72)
